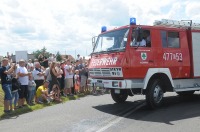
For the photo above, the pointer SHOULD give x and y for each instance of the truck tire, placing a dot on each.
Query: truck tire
(119, 98)
(185, 93)
(154, 94)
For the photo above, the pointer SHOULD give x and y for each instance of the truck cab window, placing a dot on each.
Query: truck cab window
(173, 39)
(170, 39)
(141, 38)
(164, 39)
(112, 41)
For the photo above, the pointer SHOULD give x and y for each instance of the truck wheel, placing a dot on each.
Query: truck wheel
(154, 94)
(119, 98)
(185, 93)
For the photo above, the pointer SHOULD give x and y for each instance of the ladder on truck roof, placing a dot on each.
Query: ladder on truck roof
(177, 24)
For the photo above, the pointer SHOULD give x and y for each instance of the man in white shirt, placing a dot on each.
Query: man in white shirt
(141, 43)
(138, 43)
(68, 77)
(23, 75)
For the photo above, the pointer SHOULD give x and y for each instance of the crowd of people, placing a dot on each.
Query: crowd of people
(41, 81)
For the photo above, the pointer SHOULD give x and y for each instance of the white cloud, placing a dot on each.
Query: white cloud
(193, 10)
(68, 26)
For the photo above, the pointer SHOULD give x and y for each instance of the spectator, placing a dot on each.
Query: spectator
(84, 60)
(59, 70)
(77, 81)
(45, 60)
(47, 76)
(55, 93)
(54, 74)
(15, 95)
(59, 77)
(52, 57)
(29, 65)
(87, 75)
(62, 85)
(38, 75)
(42, 93)
(5, 74)
(22, 74)
(31, 90)
(78, 57)
(76, 66)
(40, 59)
(83, 75)
(35, 61)
(68, 78)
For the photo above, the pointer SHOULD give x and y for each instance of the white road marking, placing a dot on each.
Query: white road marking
(115, 119)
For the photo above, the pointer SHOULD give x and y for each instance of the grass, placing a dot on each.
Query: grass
(1, 101)
(28, 108)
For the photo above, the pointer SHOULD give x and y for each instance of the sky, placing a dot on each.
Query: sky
(68, 26)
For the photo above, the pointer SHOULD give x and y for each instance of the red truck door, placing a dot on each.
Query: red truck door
(141, 55)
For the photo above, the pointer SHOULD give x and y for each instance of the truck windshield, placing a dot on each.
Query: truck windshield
(112, 41)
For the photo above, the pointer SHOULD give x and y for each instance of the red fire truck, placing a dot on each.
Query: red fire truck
(148, 60)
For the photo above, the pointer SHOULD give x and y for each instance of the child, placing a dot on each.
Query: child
(31, 90)
(15, 95)
(55, 93)
(77, 81)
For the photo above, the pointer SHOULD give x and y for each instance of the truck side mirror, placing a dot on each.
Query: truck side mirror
(94, 41)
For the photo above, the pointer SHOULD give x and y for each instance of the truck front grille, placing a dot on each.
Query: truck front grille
(106, 72)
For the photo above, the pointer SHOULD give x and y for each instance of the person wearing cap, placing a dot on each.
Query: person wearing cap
(42, 93)
(23, 78)
(6, 80)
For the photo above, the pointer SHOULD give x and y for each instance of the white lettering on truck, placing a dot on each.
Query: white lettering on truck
(173, 56)
(104, 61)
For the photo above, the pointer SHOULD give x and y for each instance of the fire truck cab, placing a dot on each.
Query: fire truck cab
(148, 60)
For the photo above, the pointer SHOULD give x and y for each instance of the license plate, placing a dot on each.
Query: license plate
(99, 84)
(117, 91)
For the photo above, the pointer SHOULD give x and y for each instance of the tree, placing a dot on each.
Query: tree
(42, 51)
(58, 56)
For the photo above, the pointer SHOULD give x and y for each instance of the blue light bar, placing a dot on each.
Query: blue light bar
(132, 21)
(103, 29)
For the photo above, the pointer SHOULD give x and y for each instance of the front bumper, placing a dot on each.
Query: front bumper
(116, 84)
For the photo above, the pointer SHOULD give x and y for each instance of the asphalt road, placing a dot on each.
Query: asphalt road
(100, 113)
